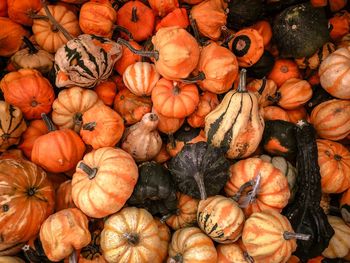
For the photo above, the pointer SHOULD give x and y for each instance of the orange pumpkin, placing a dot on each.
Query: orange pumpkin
(264, 89)
(3, 8)
(207, 102)
(131, 107)
(340, 25)
(138, 18)
(35, 129)
(101, 127)
(97, 17)
(22, 12)
(231, 253)
(248, 46)
(47, 36)
(111, 167)
(106, 91)
(271, 113)
(265, 30)
(128, 57)
(177, 17)
(331, 119)
(162, 156)
(28, 90)
(283, 70)
(334, 162)
(64, 232)
(163, 7)
(173, 99)
(64, 196)
(297, 114)
(164, 236)
(59, 150)
(26, 200)
(168, 125)
(272, 193)
(11, 37)
(334, 5)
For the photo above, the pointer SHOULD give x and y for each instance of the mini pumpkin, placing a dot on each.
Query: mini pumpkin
(232, 253)
(168, 125)
(163, 7)
(164, 236)
(340, 25)
(64, 196)
(177, 17)
(265, 30)
(128, 57)
(264, 89)
(272, 113)
(283, 70)
(22, 12)
(106, 91)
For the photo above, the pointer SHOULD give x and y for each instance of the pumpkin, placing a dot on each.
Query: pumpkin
(173, 99)
(140, 78)
(265, 30)
(32, 58)
(199, 170)
(264, 89)
(26, 196)
(334, 162)
(12, 125)
(248, 46)
(131, 235)
(127, 58)
(207, 102)
(334, 5)
(168, 125)
(22, 12)
(272, 113)
(305, 213)
(217, 67)
(59, 150)
(3, 8)
(104, 166)
(92, 253)
(171, 65)
(47, 34)
(162, 156)
(314, 61)
(163, 7)
(164, 236)
(220, 218)
(35, 129)
(283, 70)
(210, 17)
(331, 119)
(293, 38)
(231, 253)
(268, 237)
(339, 245)
(106, 91)
(334, 75)
(97, 17)
(340, 25)
(11, 37)
(297, 114)
(70, 105)
(7, 259)
(229, 126)
(154, 190)
(58, 233)
(244, 13)
(28, 90)
(185, 214)
(263, 66)
(64, 196)
(177, 17)
(345, 206)
(138, 18)
(131, 107)
(101, 127)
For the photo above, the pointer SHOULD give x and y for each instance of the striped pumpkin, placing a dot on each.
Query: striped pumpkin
(236, 123)
(273, 192)
(12, 125)
(220, 218)
(313, 62)
(85, 61)
(264, 237)
(140, 78)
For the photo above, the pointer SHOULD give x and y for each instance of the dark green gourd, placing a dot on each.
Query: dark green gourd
(263, 67)
(305, 213)
(300, 30)
(243, 13)
(200, 170)
(155, 189)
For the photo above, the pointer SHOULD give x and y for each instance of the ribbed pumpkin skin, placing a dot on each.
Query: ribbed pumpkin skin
(26, 200)
(334, 73)
(263, 237)
(64, 196)
(186, 214)
(220, 218)
(6, 259)
(48, 39)
(334, 162)
(193, 246)
(230, 253)
(113, 184)
(70, 105)
(19, 11)
(64, 232)
(115, 244)
(140, 78)
(331, 119)
(163, 7)
(235, 123)
(273, 193)
(164, 236)
(339, 245)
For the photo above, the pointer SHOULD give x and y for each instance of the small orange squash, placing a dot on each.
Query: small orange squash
(177, 17)
(231, 253)
(106, 91)
(265, 30)
(283, 70)
(22, 11)
(64, 196)
(163, 7)
(264, 89)
(271, 113)
(127, 57)
(340, 25)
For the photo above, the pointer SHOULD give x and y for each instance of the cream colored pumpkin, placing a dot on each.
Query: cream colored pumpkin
(231, 253)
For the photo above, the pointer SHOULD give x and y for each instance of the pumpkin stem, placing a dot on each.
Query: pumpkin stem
(73, 258)
(290, 235)
(200, 183)
(199, 77)
(90, 126)
(242, 81)
(176, 259)
(275, 98)
(133, 239)
(165, 218)
(251, 195)
(29, 44)
(172, 140)
(124, 30)
(247, 257)
(150, 54)
(337, 157)
(77, 120)
(50, 126)
(263, 86)
(55, 23)
(134, 17)
(91, 172)
(30, 254)
(195, 30)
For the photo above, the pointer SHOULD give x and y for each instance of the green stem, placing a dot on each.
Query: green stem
(195, 79)
(124, 30)
(50, 126)
(91, 172)
(150, 54)
(290, 235)
(90, 126)
(242, 81)
(134, 17)
(29, 44)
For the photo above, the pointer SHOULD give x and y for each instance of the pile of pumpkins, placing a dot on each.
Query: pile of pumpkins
(179, 131)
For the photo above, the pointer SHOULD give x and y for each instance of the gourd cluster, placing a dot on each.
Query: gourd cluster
(176, 131)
